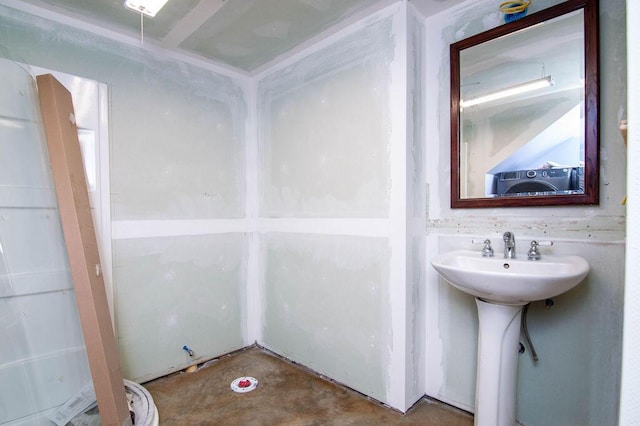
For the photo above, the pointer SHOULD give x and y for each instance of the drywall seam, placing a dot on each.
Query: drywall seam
(416, 237)
(105, 196)
(332, 226)
(435, 121)
(45, 11)
(254, 300)
(190, 23)
(434, 373)
(254, 305)
(398, 200)
(127, 229)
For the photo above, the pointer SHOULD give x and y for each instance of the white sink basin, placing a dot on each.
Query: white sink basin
(511, 281)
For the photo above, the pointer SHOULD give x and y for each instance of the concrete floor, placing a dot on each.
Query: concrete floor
(286, 395)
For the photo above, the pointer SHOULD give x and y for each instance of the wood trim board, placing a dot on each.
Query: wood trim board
(79, 235)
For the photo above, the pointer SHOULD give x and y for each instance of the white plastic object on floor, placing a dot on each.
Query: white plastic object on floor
(244, 384)
(144, 409)
(82, 408)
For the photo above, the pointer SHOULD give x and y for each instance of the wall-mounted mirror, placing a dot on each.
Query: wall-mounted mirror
(524, 111)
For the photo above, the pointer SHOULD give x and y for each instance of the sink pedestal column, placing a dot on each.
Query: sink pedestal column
(496, 380)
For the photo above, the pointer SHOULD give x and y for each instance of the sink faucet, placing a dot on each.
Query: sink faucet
(509, 245)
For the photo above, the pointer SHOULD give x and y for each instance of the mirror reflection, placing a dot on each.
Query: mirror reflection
(520, 112)
(521, 103)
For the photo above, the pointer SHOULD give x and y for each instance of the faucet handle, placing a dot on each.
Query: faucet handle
(487, 250)
(534, 253)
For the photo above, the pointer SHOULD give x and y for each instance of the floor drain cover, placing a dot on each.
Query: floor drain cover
(244, 384)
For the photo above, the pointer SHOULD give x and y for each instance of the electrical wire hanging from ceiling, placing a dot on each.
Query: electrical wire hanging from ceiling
(141, 27)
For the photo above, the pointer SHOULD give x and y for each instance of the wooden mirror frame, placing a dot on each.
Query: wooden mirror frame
(591, 113)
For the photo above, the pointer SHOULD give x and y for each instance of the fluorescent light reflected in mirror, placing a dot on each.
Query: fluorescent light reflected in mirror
(509, 91)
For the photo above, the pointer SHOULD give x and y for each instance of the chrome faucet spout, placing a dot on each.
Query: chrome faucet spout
(509, 245)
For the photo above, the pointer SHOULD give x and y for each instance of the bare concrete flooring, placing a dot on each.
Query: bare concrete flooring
(286, 395)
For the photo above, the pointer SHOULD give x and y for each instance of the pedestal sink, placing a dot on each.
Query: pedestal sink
(501, 287)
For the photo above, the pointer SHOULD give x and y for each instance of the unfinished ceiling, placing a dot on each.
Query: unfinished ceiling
(244, 34)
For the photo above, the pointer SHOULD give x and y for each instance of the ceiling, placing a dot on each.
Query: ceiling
(243, 34)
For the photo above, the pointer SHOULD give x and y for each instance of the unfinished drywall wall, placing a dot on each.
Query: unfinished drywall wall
(339, 158)
(177, 129)
(178, 171)
(325, 126)
(176, 291)
(177, 134)
(327, 306)
(415, 205)
(580, 337)
(183, 157)
(324, 129)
